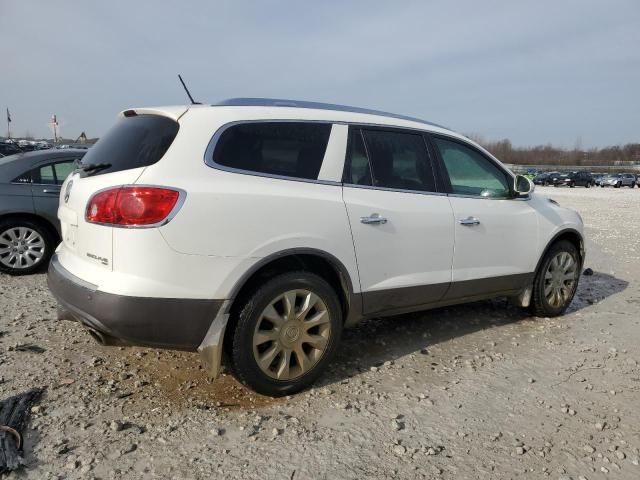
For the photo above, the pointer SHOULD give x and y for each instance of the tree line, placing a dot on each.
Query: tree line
(628, 154)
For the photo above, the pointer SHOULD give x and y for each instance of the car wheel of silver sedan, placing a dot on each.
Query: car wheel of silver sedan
(25, 246)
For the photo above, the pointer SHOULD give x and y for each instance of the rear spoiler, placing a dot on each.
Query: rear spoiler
(173, 112)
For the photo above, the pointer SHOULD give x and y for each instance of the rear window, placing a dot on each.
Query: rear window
(136, 141)
(290, 149)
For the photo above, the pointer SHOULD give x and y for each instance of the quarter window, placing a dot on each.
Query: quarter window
(291, 149)
(471, 173)
(399, 160)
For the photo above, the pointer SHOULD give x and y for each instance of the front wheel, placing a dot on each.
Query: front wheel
(286, 334)
(556, 280)
(25, 246)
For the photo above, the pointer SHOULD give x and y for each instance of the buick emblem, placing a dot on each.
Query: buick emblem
(67, 191)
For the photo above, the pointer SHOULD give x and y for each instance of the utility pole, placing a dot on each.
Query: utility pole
(54, 123)
(8, 124)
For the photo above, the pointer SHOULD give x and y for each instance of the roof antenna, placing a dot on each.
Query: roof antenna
(193, 102)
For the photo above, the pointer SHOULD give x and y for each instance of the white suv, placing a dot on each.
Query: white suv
(263, 227)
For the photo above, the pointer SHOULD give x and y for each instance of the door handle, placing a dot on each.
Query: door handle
(469, 221)
(52, 192)
(373, 219)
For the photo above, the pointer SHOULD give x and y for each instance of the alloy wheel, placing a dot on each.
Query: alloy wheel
(21, 247)
(291, 334)
(560, 279)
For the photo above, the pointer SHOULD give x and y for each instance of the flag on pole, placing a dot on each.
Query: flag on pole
(8, 116)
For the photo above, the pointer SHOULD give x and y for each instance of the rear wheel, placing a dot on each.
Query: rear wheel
(556, 280)
(286, 333)
(25, 246)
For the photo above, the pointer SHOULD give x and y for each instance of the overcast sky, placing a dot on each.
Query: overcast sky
(536, 73)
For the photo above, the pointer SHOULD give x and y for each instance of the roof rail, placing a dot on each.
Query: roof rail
(279, 102)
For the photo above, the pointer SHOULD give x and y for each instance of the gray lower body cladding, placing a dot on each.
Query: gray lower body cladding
(172, 323)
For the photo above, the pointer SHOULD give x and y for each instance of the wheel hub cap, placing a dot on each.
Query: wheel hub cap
(21, 247)
(291, 334)
(560, 279)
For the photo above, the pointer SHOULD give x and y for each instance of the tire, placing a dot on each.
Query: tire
(541, 304)
(588, 185)
(633, 184)
(244, 346)
(572, 185)
(617, 185)
(38, 239)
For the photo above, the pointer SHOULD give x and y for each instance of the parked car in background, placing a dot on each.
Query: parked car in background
(29, 193)
(578, 179)
(560, 179)
(553, 178)
(7, 148)
(597, 178)
(619, 180)
(263, 227)
(541, 179)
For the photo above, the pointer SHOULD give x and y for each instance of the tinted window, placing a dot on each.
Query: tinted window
(399, 160)
(133, 142)
(52, 174)
(46, 175)
(356, 167)
(62, 170)
(471, 173)
(290, 149)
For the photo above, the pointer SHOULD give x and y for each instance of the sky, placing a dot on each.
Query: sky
(555, 72)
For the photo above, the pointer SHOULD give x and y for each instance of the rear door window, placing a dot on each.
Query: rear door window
(133, 142)
(357, 170)
(62, 170)
(289, 149)
(53, 173)
(45, 175)
(399, 160)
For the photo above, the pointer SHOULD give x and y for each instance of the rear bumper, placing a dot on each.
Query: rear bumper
(172, 323)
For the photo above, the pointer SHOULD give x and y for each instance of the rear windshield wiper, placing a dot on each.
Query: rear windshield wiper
(93, 167)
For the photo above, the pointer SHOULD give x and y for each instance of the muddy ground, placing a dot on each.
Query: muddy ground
(478, 391)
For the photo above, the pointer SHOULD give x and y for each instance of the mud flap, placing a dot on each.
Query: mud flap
(211, 347)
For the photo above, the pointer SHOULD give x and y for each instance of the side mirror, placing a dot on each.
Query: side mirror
(522, 186)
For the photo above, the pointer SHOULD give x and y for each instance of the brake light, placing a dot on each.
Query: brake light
(131, 206)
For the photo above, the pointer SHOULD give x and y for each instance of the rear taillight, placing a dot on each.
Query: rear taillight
(131, 206)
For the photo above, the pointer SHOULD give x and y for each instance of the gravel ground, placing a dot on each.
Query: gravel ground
(476, 391)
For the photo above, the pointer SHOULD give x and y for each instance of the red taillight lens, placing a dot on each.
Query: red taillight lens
(131, 206)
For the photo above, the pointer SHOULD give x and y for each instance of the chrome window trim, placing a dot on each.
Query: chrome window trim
(397, 190)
